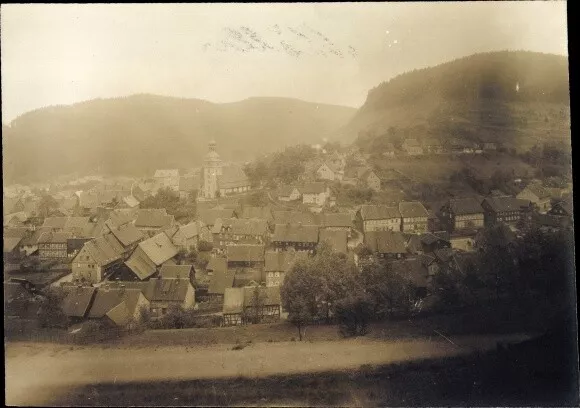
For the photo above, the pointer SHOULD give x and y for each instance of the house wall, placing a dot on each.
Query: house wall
(415, 225)
(462, 243)
(318, 199)
(467, 221)
(84, 267)
(325, 173)
(373, 182)
(390, 224)
(56, 251)
(274, 278)
(543, 204)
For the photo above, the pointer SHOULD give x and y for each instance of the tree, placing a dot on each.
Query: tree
(299, 294)
(255, 312)
(50, 312)
(354, 313)
(47, 205)
(204, 246)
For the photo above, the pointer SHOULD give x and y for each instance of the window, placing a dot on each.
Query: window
(277, 274)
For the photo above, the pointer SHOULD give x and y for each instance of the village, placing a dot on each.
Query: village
(118, 255)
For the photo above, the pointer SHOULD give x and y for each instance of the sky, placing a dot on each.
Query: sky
(327, 52)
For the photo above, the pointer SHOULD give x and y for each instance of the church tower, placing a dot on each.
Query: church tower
(212, 168)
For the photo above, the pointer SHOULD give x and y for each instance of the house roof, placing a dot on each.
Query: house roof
(54, 237)
(379, 212)
(412, 209)
(286, 191)
(17, 232)
(336, 238)
(256, 212)
(175, 271)
(386, 242)
(221, 279)
(10, 243)
(104, 249)
(411, 143)
(77, 301)
(108, 298)
(189, 231)
(189, 183)
(245, 253)
(167, 290)
(138, 193)
(128, 234)
(232, 177)
(254, 226)
(233, 300)
(158, 248)
(282, 261)
(538, 190)
(295, 233)
(335, 220)
(153, 218)
(295, 217)
(217, 263)
(55, 222)
(501, 204)
(313, 188)
(166, 173)
(208, 216)
(461, 206)
(131, 201)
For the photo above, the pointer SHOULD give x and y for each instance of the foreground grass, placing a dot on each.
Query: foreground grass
(515, 377)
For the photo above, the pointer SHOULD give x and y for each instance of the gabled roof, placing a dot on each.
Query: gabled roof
(379, 212)
(77, 301)
(105, 249)
(10, 243)
(461, 206)
(245, 253)
(295, 233)
(16, 218)
(217, 263)
(131, 201)
(256, 212)
(158, 248)
(282, 261)
(175, 271)
(221, 279)
(295, 217)
(412, 209)
(335, 220)
(386, 242)
(17, 232)
(270, 295)
(120, 217)
(166, 173)
(138, 193)
(128, 234)
(153, 218)
(189, 231)
(55, 222)
(313, 188)
(233, 300)
(538, 190)
(336, 238)
(107, 299)
(501, 204)
(208, 216)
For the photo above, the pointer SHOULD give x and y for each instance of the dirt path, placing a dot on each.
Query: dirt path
(35, 373)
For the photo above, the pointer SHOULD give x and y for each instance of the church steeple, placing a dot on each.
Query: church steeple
(212, 168)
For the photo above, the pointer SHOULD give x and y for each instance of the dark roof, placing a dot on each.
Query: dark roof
(282, 261)
(167, 290)
(245, 253)
(379, 212)
(105, 249)
(336, 238)
(221, 279)
(295, 217)
(501, 204)
(108, 298)
(236, 299)
(412, 209)
(175, 271)
(329, 220)
(465, 206)
(386, 242)
(151, 253)
(295, 233)
(313, 188)
(78, 300)
(254, 226)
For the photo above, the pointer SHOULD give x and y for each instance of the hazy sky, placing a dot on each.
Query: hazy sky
(332, 53)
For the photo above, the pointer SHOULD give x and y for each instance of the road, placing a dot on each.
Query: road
(36, 373)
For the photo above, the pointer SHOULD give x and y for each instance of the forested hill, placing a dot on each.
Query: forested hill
(137, 134)
(513, 97)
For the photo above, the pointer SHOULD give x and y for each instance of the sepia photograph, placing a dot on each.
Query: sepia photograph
(288, 205)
